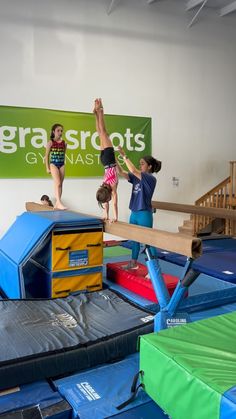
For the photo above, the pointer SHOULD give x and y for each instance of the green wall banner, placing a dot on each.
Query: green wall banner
(24, 133)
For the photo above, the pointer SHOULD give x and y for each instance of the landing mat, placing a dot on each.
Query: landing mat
(46, 338)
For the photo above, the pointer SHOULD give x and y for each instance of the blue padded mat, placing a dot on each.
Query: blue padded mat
(208, 246)
(148, 410)
(176, 258)
(220, 265)
(219, 245)
(216, 311)
(40, 393)
(100, 390)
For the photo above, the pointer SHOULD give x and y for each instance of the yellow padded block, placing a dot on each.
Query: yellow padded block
(61, 287)
(66, 249)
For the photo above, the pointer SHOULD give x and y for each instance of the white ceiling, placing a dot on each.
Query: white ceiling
(220, 8)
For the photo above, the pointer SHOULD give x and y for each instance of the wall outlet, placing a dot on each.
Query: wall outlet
(175, 181)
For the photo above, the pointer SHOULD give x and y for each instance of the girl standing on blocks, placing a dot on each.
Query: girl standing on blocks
(55, 161)
(108, 189)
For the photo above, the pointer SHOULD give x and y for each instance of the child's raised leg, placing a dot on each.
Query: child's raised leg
(105, 140)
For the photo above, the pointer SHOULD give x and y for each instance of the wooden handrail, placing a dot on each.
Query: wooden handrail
(213, 190)
(195, 209)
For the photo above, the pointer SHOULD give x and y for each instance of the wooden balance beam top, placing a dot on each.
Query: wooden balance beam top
(33, 206)
(172, 242)
(195, 209)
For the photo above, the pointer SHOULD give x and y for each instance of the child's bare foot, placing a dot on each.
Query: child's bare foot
(59, 206)
(112, 220)
(130, 265)
(96, 105)
(100, 103)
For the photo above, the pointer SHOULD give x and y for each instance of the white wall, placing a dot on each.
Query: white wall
(142, 60)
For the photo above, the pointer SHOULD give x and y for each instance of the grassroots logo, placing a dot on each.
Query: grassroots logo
(24, 134)
(12, 138)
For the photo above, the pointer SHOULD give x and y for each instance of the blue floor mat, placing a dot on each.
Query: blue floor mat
(220, 265)
(100, 390)
(40, 394)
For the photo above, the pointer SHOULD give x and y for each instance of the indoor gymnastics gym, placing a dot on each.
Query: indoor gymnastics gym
(84, 335)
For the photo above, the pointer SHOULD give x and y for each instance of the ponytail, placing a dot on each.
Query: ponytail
(156, 164)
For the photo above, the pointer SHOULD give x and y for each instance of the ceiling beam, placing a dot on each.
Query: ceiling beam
(111, 6)
(196, 15)
(191, 4)
(228, 9)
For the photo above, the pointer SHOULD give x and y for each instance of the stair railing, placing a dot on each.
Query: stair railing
(218, 197)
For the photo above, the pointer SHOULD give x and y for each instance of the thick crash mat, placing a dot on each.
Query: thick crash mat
(45, 338)
(190, 370)
(137, 280)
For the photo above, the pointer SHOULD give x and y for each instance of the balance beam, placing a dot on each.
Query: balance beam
(195, 209)
(173, 242)
(33, 206)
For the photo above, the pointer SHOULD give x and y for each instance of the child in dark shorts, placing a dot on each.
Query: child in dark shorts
(108, 190)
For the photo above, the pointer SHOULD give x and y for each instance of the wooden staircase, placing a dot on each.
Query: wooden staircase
(222, 195)
(187, 227)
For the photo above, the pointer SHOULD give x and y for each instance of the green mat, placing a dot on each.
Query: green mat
(113, 251)
(187, 369)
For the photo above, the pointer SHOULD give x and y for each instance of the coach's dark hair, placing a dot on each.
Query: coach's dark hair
(151, 161)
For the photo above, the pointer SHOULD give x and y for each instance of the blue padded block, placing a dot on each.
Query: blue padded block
(13, 288)
(21, 237)
(228, 404)
(38, 393)
(220, 265)
(99, 390)
(67, 218)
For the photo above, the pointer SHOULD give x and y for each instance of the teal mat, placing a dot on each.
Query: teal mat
(114, 251)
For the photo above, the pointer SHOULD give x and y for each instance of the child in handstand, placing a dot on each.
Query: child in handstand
(108, 189)
(55, 161)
